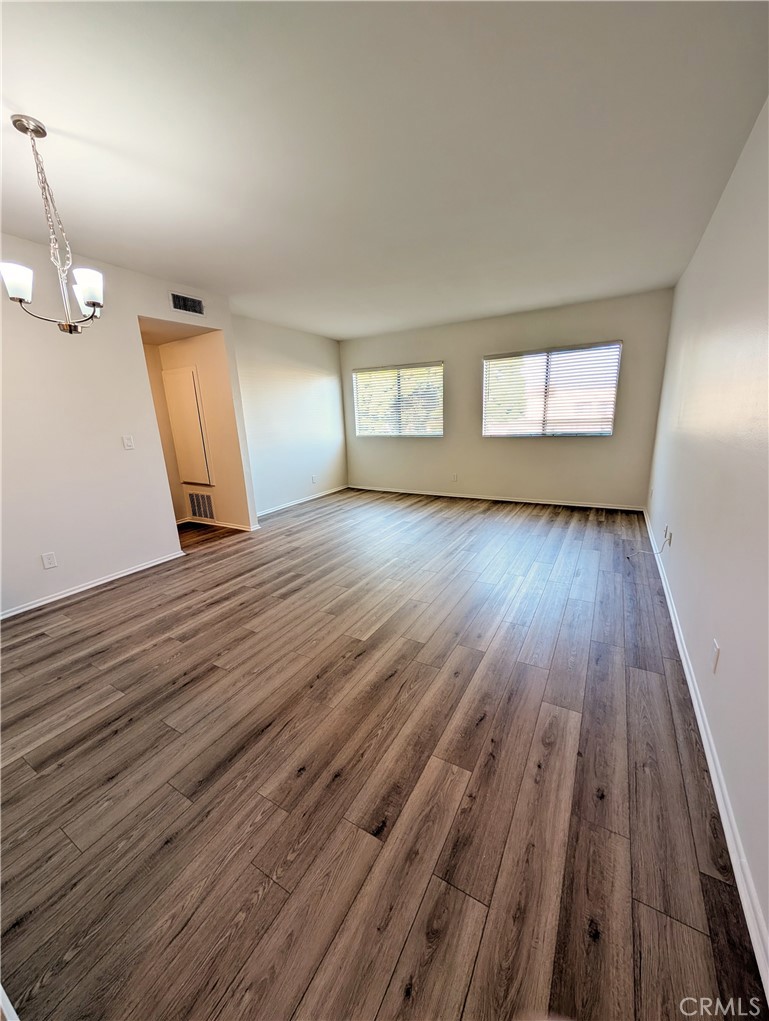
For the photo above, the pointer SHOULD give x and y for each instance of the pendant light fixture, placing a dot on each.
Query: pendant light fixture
(88, 287)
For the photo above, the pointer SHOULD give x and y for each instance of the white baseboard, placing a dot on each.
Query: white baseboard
(500, 499)
(757, 924)
(14, 610)
(8, 1012)
(303, 499)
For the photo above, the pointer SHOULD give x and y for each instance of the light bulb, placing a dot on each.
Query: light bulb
(17, 280)
(91, 284)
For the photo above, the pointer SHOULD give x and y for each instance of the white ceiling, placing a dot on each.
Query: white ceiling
(350, 168)
(163, 331)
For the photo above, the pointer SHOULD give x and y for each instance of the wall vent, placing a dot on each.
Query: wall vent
(201, 505)
(186, 303)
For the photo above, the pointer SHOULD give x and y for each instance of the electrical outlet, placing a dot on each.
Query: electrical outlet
(128, 443)
(315, 478)
(454, 477)
(716, 652)
(49, 561)
(670, 538)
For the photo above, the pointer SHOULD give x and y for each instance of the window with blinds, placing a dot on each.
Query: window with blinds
(564, 392)
(401, 400)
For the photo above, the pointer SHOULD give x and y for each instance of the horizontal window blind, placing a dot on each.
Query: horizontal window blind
(403, 400)
(565, 392)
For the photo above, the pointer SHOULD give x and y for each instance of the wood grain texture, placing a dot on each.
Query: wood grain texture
(515, 962)
(566, 562)
(354, 975)
(665, 633)
(22, 735)
(665, 871)
(585, 581)
(601, 792)
(608, 620)
(276, 974)
(480, 632)
(436, 612)
(14, 776)
(568, 670)
(437, 650)
(612, 552)
(672, 961)
(593, 971)
(296, 773)
(470, 859)
(434, 969)
(312, 820)
(709, 839)
(524, 603)
(642, 647)
(466, 731)
(199, 969)
(382, 797)
(736, 970)
(172, 921)
(141, 865)
(35, 868)
(211, 838)
(539, 645)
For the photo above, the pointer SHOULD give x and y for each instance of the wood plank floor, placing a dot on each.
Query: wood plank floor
(388, 757)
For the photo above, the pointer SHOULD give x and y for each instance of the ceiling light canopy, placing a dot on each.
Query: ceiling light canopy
(89, 283)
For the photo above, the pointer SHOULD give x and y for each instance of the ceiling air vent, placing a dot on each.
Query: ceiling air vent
(201, 505)
(186, 303)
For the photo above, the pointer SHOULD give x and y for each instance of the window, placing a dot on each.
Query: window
(565, 392)
(402, 400)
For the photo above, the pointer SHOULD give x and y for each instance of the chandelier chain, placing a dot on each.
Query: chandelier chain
(56, 233)
(88, 287)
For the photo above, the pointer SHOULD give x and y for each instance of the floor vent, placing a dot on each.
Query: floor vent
(201, 505)
(186, 303)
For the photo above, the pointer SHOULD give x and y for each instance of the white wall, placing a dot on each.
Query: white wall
(69, 487)
(292, 404)
(709, 484)
(208, 354)
(155, 373)
(607, 471)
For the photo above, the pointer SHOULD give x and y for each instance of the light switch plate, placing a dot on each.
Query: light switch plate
(128, 443)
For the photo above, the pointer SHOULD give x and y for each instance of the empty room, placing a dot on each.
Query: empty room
(385, 511)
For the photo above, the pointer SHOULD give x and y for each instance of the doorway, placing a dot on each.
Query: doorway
(189, 378)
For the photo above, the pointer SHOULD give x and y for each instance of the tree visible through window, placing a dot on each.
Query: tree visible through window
(403, 400)
(563, 392)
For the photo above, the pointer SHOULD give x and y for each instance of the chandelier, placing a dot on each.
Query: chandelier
(88, 287)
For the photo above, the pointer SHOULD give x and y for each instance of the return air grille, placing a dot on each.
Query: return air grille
(201, 505)
(186, 303)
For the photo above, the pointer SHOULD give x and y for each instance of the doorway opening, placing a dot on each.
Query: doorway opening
(189, 377)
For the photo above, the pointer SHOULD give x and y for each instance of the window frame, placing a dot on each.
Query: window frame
(548, 351)
(431, 364)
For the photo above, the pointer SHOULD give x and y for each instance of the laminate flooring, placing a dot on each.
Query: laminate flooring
(193, 534)
(387, 757)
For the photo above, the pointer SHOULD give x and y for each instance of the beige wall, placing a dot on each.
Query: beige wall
(208, 354)
(607, 471)
(69, 487)
(709, 484)
(155, 373)
(293, 411)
